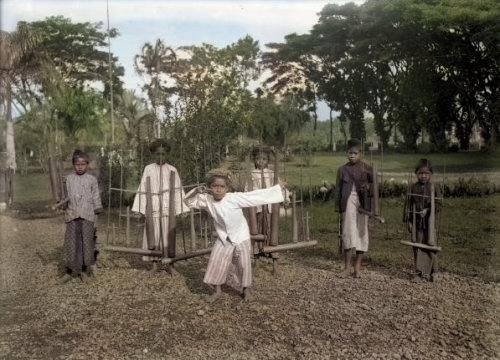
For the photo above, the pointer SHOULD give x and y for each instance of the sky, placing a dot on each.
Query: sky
(176, 22)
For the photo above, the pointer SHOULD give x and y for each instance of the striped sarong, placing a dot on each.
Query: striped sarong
(79, 245)
(230, 263)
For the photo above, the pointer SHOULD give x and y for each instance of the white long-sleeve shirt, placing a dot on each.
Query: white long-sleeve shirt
(160, 176)
(230, 223)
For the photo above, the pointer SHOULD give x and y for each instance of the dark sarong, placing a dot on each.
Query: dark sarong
(79, 245)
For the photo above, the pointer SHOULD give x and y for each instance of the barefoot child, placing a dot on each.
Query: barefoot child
(82, 204)
(159, 174)
(417, 215)
(353, 201)
(233, 244)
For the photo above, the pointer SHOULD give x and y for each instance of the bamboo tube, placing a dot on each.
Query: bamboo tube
(295, 226)
(307, 226)
(376, 205)
(265, 208)
(275, 210)
(205, 233)
(138, 251)
(291, 246)
(150, 230)
(127, 225)
(252, 215)
(192, 229)
(421, 246)
(171, 217)
(413, 224)
(432, 218)
(187, 256)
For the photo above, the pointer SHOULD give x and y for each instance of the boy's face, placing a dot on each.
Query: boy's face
(160, 155)
(261, 162)
(218, 188)
(424, 175)
(353, 155)
(80, 165)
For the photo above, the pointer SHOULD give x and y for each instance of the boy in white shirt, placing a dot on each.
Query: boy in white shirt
(233, 244)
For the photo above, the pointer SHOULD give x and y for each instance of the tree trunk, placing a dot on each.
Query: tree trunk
(332, 140)
(9, 133)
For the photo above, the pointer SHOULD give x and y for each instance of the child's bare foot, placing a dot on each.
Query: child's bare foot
(246, 295)
(218, 292)
(357, 274)
(65, 278)
(213, 298)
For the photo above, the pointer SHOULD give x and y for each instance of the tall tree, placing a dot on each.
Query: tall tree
(14, 47)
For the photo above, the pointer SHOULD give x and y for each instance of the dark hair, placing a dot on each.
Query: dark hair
(79, 154)
(262, 150)
(352, 143)
(159, 143)
(212, 177)
(424, 163)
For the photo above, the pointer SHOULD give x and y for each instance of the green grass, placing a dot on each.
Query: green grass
(324, 167)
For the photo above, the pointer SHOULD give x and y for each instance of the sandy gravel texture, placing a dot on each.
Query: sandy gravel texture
(305, 312)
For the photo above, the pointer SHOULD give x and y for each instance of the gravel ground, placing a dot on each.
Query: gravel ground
(306, 312)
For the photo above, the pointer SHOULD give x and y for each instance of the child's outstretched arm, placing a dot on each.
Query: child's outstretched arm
(272, 195)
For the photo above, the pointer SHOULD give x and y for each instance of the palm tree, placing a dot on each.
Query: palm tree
(14, 47)
(135, 117)
(153, 61)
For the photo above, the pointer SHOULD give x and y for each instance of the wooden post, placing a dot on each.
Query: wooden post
(192, 228)
(11, 186)
(150, 227)
(205, 232)
(53, 179)
(295, 225)
(171, 216)
(432, 218)
(376, 205)
(275, 208)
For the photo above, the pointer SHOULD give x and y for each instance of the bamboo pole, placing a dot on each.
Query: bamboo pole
(413, 224)
(150, 230)
(376, 205)
(432, 218)
(295, 226)
(275, 210)
(192, 229)
(291, 246)
(138, 251)
(171, 217)
(127, 224)
(421, 246)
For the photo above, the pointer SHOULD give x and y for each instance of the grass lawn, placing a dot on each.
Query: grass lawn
(324, 167)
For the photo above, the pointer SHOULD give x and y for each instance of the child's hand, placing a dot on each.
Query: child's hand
(283, 184)
(98, 211)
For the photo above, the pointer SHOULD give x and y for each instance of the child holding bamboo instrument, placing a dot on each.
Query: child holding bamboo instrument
(420, 214)
(156, 210)
(352, 194)
(233, 244)
(82, 204)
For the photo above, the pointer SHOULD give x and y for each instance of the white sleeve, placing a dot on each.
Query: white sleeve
(258, 197)
(139, 204)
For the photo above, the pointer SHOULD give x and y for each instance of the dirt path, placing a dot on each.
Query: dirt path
(304, 313)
